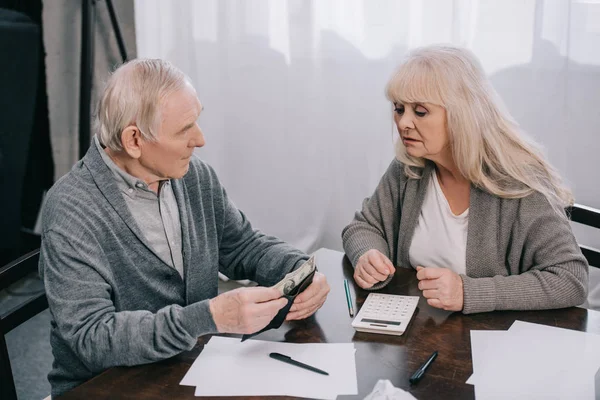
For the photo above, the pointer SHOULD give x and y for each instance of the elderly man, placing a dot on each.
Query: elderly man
(135, 234)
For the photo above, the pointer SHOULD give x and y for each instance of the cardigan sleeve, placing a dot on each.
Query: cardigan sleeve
(81, 301)
(374, 225)
(553, 271)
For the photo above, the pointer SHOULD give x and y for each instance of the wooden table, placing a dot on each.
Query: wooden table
(377, 356)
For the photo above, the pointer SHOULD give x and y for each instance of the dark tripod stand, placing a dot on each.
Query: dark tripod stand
(88, 22)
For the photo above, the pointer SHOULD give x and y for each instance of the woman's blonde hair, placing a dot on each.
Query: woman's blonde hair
(133, 96)
(487, 145)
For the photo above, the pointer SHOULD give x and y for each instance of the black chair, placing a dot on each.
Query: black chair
(591, 217)
(9, 274)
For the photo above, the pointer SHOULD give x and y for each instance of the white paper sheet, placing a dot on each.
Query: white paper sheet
(480, 343)
(533, 361)
(228, 367)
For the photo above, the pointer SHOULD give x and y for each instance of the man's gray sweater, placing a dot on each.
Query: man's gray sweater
(113, 300)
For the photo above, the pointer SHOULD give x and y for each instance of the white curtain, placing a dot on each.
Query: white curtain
(296, 120)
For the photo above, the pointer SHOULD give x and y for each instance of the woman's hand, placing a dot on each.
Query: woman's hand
(442, 287)
(372, 267)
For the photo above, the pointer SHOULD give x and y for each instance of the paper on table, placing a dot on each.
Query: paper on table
(249, 371)
(502, 369)
(534, 361)
(480, 342)
(580, 350)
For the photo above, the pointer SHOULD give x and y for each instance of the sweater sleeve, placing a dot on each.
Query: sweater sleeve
(80, 299)
(553, 272)
(373, 226)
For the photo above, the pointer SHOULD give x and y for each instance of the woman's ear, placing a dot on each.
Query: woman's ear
(131, 139)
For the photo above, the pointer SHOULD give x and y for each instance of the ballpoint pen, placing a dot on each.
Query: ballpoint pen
(289, 360)
(348, 298)
(421, 371)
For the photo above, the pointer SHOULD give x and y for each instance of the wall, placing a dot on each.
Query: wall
(62, 38)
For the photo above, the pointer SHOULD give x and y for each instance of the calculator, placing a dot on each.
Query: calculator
(385, 313)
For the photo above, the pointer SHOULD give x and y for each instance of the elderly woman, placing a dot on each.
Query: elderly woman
(469, 203)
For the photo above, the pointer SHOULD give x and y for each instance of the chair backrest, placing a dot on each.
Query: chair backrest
(591, 217)
(10, 274)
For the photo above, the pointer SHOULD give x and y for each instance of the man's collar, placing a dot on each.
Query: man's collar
(129, 180)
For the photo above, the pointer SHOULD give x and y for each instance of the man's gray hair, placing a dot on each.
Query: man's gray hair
(133, 96)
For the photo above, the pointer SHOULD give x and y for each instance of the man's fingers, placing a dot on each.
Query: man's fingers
(304, 313)
(293, 316)
(246, 310)
(258, 315)
(312, 301)
(314, 294)
(300, 314)
(260, 294)
(318, 285)
(310, 292)
(303, 310)
(270, 308)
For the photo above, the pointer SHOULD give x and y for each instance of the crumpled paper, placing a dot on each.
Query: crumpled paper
(384, 390)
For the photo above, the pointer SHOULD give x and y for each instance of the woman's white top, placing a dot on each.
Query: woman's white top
(440, 238)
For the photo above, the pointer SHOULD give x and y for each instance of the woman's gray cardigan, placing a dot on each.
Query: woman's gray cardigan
(521, 255)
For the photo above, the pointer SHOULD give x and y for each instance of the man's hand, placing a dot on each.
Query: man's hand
(245, 310)
(372, 267)
(310, 300)
(442, 287)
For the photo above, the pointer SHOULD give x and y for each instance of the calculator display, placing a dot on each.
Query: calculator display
(379, 321)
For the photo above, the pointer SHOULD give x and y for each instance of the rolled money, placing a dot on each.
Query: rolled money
(294, 278)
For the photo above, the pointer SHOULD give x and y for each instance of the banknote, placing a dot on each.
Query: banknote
(294, 278)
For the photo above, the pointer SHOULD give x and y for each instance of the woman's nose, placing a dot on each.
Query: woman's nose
(405, 122)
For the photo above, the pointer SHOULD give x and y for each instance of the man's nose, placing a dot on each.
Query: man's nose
(199, 140)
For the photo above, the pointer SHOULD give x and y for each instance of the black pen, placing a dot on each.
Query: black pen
(421, 371)
(289, 360)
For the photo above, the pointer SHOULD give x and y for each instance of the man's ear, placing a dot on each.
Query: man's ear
(131, 139)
